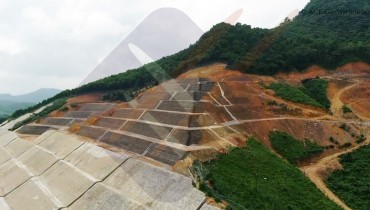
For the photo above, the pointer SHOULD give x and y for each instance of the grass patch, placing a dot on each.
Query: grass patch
(253, 177)
(352, 184)
(294, 94)
(293, 149)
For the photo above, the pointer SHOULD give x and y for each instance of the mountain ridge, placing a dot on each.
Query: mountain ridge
(32, 97)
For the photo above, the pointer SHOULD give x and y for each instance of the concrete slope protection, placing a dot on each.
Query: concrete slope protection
(57, 170)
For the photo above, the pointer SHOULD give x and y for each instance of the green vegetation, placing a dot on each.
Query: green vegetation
(272, 103)
(3, 119)
(345, 145)
(294, 94)
(312, 92)
(361, 138)
(316, 89)
(352, 184)
(346, 109)
(327, 40)
(57, 104)
(118, 95)
(345, 127)
(254, 178)
(293, 149)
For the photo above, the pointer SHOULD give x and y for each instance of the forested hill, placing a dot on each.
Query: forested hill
(328, 33)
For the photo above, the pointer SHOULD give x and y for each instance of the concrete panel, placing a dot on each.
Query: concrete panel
(153, 131)
(3, 204)
(61, 144)
(34, 129)
(18, 146)
(57, 121)
(165, 154)
(12, 176)
(3, 131)
(100, 197)
(78, 114)
(29, 196)
(180, 194)
(65, 182)
(128, 143)
(4, 156)
(91, 132)
(37, 160)
(110, 123)
(43, 136)
(96, 107)
(95, 160)
(159, 188)
(7, 138)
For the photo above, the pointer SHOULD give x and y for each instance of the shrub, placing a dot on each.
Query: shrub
(346, 109)
(345, 145)
(333, 140)
(360, 138)
(345, 127)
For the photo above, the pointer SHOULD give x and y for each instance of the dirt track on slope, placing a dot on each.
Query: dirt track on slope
(336, 103)
(316, 172)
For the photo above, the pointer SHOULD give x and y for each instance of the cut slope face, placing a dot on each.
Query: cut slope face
(57, 170)
(166, 127)
(206, 109)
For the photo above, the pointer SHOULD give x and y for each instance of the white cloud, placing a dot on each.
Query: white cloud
(10, 46)
(53, 43)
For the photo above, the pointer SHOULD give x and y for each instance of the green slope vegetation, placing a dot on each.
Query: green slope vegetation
(328, 40)
(313, 92)
(317, 89)
(55, 105)
(254, 178)
(352, 184)
(294, 94)
(293, 149)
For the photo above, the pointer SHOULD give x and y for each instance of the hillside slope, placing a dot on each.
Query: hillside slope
(207, 110)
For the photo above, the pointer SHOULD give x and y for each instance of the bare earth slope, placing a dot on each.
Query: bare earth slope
(161, 131)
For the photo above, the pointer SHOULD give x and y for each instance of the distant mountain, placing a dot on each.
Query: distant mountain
(34, 97)
(10, 103)
(8, 107)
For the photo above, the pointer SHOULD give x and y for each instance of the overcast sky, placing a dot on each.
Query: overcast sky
(57, 43)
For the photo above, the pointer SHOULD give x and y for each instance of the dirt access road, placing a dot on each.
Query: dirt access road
(312, 172)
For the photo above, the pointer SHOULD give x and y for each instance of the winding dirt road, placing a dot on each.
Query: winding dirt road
(312, 172)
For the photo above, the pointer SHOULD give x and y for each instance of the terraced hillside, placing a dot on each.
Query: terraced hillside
(165, 128)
